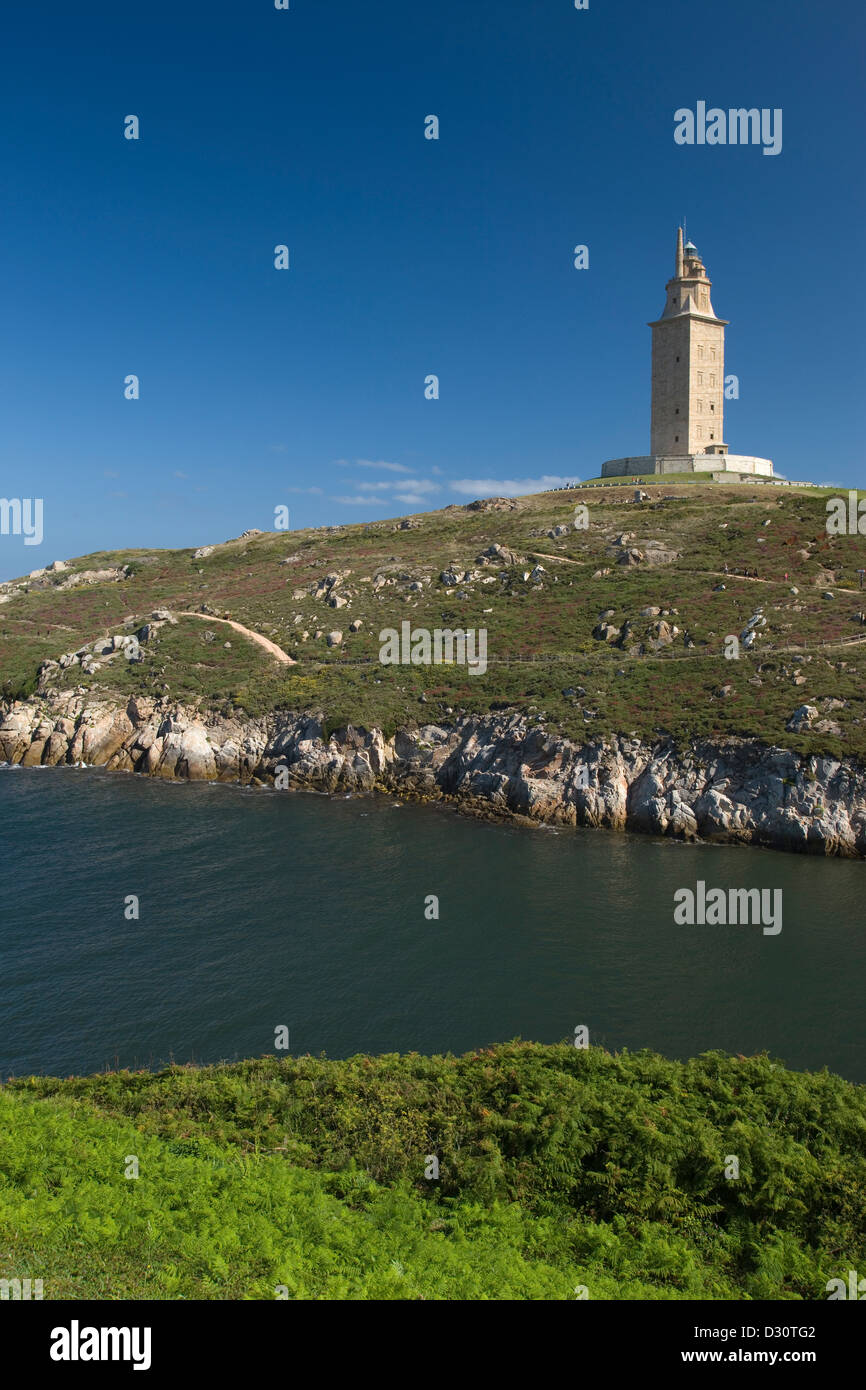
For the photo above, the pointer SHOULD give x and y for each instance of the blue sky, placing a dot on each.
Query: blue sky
(409, 256)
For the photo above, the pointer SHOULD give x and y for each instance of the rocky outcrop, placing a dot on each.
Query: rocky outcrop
(732, 790)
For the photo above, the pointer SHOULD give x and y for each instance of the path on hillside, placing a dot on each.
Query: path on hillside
(269, 646)
(565, 559)
(712, 574)
(553, 657)
(754, 579)
(588, 658)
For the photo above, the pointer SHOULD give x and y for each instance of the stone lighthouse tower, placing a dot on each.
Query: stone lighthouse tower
(687, 431)
(688, 364)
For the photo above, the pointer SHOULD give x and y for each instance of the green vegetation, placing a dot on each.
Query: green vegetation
(557, 1168)
(540, 633)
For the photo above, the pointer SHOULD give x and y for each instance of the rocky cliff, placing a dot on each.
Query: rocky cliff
(732, 790)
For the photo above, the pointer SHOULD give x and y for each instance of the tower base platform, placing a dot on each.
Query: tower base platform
(639, 466)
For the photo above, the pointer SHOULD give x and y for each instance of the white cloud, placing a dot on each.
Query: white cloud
(370, 463)
(355, 501)
(416, 484)
(508, 487)
(305, 491)
(389, 467)
(410, 498)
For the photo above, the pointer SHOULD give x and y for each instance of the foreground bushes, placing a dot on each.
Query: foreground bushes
(557, 1168)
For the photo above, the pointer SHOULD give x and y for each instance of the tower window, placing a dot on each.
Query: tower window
(676, 439)
(677, 411)
(712, 405)
(678, 359)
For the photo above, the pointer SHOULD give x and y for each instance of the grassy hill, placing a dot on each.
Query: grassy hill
(558, 1168)
(543, 657)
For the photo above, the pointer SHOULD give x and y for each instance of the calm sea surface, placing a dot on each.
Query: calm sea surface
(260, 909)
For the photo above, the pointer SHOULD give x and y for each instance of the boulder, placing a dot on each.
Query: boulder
(500, 554)
(801, 719)
(663, 633)
(97, 740)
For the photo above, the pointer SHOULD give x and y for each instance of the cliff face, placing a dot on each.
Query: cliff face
(732, 790)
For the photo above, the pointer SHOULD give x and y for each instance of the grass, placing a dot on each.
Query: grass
(540, 636)
(558, 1168)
